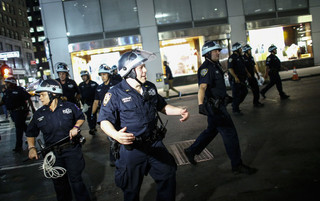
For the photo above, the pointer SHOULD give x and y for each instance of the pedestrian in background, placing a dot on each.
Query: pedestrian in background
(251, 68)
(273, 67)
(70, 88)
(239, 75)
(212, 99)
(4, 108)
(129, 115)
(87, 91)
(16, 100)
(169, 80)
(57, 120)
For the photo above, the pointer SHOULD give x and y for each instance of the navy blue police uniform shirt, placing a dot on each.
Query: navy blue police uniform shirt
(70, 89)
(54, 125)
(123, 105)
(274, 63)
(116, 77)
(88, 92)
(237, 64)
(210, 73)
(102, 89)
(250, 64)
(15, 98)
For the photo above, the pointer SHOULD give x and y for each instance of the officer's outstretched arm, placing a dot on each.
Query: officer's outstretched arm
(173, 110)
(32, 148)
(121, 136)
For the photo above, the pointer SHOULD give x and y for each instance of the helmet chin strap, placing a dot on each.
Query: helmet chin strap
(52, 97)
(133, 75)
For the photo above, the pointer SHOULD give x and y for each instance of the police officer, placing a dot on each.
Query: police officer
(106, 75)
(273, 67)
(15, 98)
(129, 115)
(213, 99)
(58, 119)
(69, 86)
(239, 75)
(115, 75)
(251, 68)
(87, 91)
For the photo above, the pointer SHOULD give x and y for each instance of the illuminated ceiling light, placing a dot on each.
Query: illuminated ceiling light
(68, 33)
(162, 15)
(215, 9)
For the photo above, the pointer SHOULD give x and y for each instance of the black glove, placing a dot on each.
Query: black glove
(202, 109)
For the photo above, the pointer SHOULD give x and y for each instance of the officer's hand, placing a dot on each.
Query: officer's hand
(185, 114)
(202, 109)
(73, 132)
(125, 138)
(33, 154)
(236, 79)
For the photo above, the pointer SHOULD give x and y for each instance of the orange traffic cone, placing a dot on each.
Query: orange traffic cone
(295, 74)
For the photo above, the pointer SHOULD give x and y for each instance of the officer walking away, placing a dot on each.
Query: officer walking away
(273, 67)
(69, 86)
(115, 75)
(106, 75)
(239, 75)
(87, 91)
(169, 80)
(16, 99)
(58, 119)
(129, 115)
(251, 68)
(212, 98)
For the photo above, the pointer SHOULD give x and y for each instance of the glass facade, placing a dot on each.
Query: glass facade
(208, 9)
(252, 7)
(119, 14)
(168, 11)
(82, 17)
(291, 4)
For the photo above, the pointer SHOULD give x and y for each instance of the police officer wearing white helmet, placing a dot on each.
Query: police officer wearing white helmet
(57, 120)
(213, 99)
(129, 115)
(115, 74)
(70, 88)
(273, 64)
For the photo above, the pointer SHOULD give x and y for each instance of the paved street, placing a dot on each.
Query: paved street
(281, 140)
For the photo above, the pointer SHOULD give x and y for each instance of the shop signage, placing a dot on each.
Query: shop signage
(33, 62)
(7, 55)
(18, 71)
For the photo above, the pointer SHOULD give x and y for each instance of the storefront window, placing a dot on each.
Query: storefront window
(252, 7)
(293, 42)
(168, 11)
(291, 4)
(119, 14)
(208, 9)
(82, 18)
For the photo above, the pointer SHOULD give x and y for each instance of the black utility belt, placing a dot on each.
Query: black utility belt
(59, 148)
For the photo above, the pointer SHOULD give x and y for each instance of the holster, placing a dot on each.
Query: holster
(115, 148)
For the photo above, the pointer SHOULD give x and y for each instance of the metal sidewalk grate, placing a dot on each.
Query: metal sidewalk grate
(177, 151)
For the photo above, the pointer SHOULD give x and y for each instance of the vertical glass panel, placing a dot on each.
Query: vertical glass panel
(82, 17)
(119, 14)
(168, 11)
(252, 7)
(208, 9)
(291, 4)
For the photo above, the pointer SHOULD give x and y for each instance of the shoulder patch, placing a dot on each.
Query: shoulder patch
(106, 98)
(204, 72)
(230, 60)
(268, 59)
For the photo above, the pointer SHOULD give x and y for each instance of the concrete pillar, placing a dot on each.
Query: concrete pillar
(150, 40)
(55, 30)
(315, 29)
(236, 21)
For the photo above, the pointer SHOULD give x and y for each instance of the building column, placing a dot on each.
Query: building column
(314, 6)
(236, 21)
(150, 39)
(55, 30)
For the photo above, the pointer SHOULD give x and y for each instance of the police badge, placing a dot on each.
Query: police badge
(106, 98)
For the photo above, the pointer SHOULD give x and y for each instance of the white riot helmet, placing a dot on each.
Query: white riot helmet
(62, 67)
(11, 80)
(236, 46)
(104, 68)
(246, 48)
(271, 48)
(132, 59)
(51, 86)
(209, 46)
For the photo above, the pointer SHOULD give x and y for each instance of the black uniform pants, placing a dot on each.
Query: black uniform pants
(255, 89)
(239, 93)
(153, 159)
(19, 118)
(274, 80)
(223, 124)
(72, 160)
(92, 122)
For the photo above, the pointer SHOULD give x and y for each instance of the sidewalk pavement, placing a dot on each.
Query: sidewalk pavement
(285, 76)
